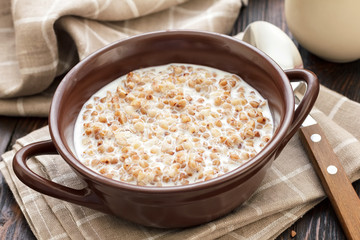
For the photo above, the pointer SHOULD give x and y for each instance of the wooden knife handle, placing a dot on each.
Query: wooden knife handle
(337, 186)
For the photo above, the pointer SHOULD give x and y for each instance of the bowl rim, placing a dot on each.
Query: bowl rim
(265, 154)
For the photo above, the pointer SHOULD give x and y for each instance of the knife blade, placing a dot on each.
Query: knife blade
(335, 182)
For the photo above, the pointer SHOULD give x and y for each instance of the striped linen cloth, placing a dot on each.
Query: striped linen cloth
(40, 40)
(289, 190)
(51, 36)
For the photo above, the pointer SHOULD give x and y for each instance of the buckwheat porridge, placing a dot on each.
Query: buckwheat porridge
(172, 125)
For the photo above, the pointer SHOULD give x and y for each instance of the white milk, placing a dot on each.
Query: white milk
(127, 132)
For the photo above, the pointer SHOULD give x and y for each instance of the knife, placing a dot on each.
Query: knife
(335, 182)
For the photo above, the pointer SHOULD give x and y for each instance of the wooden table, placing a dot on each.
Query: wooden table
(319, 223)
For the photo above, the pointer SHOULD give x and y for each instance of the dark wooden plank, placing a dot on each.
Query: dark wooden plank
(7, 127)
(343, 78)
(338, 188)
(12, 222)
(25, 126)
(321, 222)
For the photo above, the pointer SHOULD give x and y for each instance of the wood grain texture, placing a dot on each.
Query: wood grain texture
(337, 186)
(7, 126)
(13, 225)
(319, 223)
(12, 222)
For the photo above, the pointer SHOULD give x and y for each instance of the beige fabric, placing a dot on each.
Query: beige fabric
(289, 189)
(42, 39)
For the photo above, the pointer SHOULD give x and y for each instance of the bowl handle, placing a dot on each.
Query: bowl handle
(306, 103)
(85, 196)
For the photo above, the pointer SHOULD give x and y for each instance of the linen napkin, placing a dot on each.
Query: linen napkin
(40, 39)
(289, 190)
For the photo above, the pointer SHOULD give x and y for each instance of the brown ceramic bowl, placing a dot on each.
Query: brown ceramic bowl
(178, 206)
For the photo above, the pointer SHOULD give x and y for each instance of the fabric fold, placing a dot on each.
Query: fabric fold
(41, 40)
